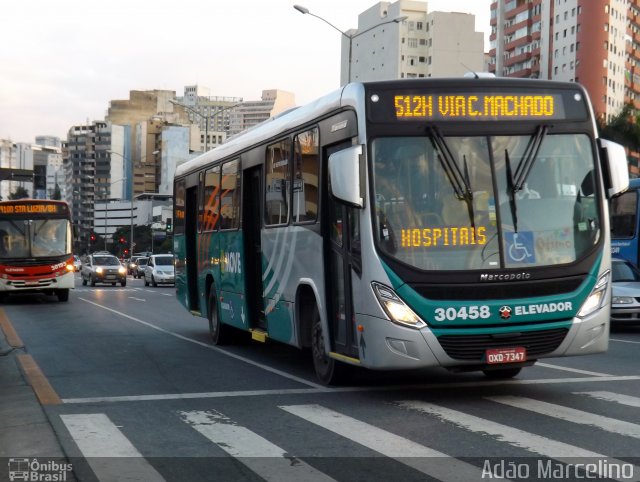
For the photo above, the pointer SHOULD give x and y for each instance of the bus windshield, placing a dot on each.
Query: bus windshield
(485, 202)
(34, 238)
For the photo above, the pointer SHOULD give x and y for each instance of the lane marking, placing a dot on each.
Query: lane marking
(567, 414)
(391, 445)
(109, 453)
(613, 397)
(518, 438)
(10, 333)
(209, 347)
(311, 391)
(38, 381)
(624, 341)
(137, 299)
(573, 370)
(254, 451)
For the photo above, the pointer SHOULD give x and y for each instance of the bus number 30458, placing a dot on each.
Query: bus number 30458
(463, 313)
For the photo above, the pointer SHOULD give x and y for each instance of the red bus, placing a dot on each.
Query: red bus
(36, 248)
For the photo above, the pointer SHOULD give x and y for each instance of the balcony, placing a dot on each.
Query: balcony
(518, 42)
(516, 59)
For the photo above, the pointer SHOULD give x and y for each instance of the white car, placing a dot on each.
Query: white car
(159, 270)
(625, 292)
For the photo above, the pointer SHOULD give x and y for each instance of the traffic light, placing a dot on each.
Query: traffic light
(126, 251)
(122, 240)
(92, 237)
(169, 225)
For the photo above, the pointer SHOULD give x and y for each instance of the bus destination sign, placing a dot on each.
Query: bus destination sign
(442, 106)
(29, 208)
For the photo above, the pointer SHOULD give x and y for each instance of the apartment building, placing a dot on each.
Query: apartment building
(404, 40)
(210, 113)
(588, 41)
(251, 113)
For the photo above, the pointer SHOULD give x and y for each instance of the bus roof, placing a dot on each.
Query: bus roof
(352, 95)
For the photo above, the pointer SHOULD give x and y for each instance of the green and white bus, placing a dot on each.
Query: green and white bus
(459, 223)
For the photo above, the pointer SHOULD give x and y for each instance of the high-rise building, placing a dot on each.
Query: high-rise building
(16, 165)
(251, 113)
(585, 41)
(593, 42)
(210, 113)
(404, 40)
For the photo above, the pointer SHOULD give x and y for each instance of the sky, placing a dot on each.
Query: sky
(61, 62)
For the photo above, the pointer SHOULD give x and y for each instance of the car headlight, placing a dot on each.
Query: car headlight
(622, 300)
(99, 270)
(122, 270)
(395, 308)
(595, 300)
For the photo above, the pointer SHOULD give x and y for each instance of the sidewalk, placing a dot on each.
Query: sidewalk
(25, 430)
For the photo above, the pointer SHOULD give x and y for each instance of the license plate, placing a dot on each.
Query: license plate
(496, 356)
(110, 276)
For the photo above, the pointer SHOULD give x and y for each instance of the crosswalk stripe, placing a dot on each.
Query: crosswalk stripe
(405, 451)
(581, 417)
(261, 456)
(99, 440)
(613, 397)
(518, 438)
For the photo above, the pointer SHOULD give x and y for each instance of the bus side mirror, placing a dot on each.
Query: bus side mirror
(344, 175)
(615, 167)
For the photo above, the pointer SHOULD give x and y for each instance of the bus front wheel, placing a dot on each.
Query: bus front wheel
(220, 333)
(63, 294)
(328, 370)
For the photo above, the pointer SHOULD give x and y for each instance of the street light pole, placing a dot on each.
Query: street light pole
(305, 11)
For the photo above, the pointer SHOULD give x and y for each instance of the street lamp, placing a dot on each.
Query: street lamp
(125, 178)
(205, 117)
(305, 11)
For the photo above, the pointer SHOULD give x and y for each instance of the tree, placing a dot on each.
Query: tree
(19, 193)
(623, 128)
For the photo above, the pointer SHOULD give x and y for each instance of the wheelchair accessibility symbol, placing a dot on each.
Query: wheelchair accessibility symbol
(520, 247)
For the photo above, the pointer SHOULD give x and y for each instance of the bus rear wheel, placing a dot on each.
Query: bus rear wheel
(328, 370)
(502, 373)
(220, 333)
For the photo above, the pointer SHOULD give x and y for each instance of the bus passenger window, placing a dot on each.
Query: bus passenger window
(305, 181)
(278, 182)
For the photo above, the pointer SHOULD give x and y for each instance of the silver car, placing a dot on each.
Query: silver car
(625, 293)
(159, 270)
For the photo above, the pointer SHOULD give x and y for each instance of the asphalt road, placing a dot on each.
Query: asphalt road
(145, 396)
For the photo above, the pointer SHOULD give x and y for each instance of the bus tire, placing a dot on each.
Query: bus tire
(328, 370)
(63, 295)
(220, 333)
(501, 373)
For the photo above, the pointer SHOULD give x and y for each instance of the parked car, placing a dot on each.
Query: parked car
(77, 264)
(159, 270)
(103, 268)
(625, 292)
(140, 265)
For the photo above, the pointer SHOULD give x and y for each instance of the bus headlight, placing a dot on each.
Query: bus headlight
(395, 308)
(596, 299)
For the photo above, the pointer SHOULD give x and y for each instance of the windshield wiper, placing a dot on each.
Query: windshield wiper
(459, 181)
(529, 158)
(511, 192)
